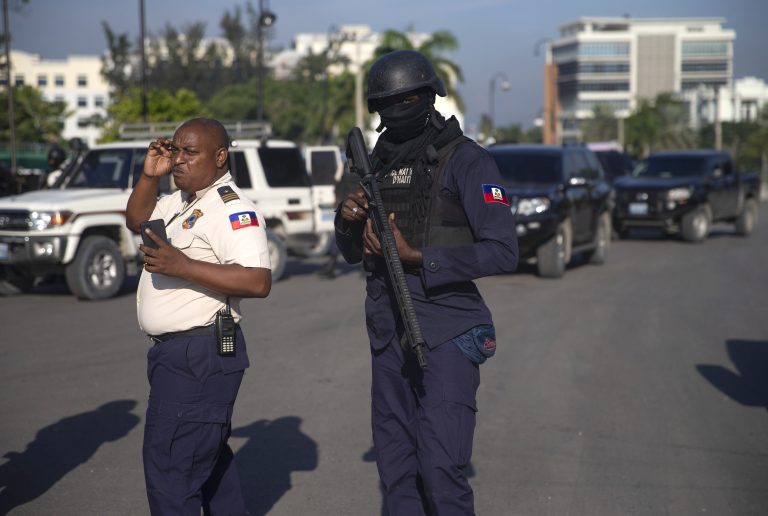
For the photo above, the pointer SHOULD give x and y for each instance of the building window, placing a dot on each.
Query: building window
(58, 98)
(82, 81)
(593, 68)
(705, 66)
(603, 86)
(591, 105)
(98, 101)
(83, 122)
(705, 48)
(603, 49)
(59, 80)
(18, 80)
(82, 102)
(692, 85)
(572, 51)
(42, 81)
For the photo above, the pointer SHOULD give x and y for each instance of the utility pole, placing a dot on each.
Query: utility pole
(718, 123)
(143, 54)
(9, 86)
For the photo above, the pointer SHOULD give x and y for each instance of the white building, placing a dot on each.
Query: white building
(76, 80)
(615, 62)
(740, 103)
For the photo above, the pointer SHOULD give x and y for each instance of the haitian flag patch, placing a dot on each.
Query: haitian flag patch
(243, 219)
(495, 193)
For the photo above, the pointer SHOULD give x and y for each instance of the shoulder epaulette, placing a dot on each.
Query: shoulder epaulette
(227, 194)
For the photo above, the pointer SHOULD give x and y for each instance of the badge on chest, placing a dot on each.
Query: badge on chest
(398, 178)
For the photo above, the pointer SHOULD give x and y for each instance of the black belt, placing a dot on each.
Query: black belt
(194, 332)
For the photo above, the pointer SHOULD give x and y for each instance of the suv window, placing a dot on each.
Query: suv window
(323, 167)
(593, 170)
(283, 166)
(107, 168)
(164, 186)
(671, 166)
(238, 167)
(574, 165)
(528, 167)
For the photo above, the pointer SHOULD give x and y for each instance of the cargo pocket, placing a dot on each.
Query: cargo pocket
(378, 315)
(201, 358)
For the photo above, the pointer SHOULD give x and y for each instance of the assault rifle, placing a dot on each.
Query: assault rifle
(362, 166)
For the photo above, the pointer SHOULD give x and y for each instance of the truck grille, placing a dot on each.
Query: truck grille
(11, 220)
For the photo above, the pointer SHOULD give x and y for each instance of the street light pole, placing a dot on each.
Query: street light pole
(143, 54)
(492, 92)
(9, 86)
(266, 20)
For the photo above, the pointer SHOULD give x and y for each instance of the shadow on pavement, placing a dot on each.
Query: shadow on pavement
(749, 384)
(370, 456)
(59, 448)
(274, 449)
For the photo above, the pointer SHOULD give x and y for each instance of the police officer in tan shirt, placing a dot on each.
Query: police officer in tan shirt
(216, 254)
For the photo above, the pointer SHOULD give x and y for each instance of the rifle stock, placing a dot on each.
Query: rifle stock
(361, 164)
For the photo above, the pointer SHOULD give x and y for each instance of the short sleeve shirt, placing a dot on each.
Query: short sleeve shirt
(219, 226)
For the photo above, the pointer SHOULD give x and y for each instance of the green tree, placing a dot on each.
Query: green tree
(755, 149)
(116, 65)
(36, 119)
(163, 106)
(660, 124)
(432, 48)
(601, 127)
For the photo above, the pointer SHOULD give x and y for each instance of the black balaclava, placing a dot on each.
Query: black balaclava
(406, 121)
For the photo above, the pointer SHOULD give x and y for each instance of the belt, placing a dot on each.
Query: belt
(194, 332)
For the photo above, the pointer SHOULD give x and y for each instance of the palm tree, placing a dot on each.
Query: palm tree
(440, 41)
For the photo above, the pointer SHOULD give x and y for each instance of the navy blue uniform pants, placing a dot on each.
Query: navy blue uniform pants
(187, 461)
(423, 424)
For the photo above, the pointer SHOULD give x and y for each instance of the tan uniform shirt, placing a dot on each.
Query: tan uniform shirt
(220, 226)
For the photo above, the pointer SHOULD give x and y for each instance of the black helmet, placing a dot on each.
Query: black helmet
(400, 72)
(56, 154)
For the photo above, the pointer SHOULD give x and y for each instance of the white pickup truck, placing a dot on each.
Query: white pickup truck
(78, 227)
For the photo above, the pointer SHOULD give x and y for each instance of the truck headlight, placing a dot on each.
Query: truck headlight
(45, 219)
(532, 205)
(679, 194)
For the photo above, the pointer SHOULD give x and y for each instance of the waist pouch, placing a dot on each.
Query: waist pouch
(478, 344)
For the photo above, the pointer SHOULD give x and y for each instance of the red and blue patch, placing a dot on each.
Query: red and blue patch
(495, 193)
(243, 219)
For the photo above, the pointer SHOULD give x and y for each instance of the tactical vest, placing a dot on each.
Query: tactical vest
(426, 215)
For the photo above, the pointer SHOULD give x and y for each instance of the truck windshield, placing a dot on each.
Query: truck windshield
(671, 166)
(528, 167)
(283, 166)
(103, 168)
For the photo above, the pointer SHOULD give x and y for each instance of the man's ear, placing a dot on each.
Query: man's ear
(221, 157)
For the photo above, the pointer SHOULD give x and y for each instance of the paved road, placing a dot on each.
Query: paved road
(638, 387)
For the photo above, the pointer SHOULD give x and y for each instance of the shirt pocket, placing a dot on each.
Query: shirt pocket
(183, 239)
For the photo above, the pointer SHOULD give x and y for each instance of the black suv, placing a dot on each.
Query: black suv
(561, 202)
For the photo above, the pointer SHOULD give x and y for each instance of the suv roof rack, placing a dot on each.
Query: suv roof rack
(151, 130)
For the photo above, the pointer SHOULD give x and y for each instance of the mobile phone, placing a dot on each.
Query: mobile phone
(158, 228)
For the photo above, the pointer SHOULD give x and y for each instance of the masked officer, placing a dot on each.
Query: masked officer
(56, 157)
(216, 255)
(452, 223)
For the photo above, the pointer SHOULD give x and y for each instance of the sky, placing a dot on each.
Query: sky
(494, 35)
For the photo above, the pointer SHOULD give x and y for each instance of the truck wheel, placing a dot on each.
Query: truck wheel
(552, 256)
(747, 218)
(602, 240)
(696, 224)
(98, 270)
(278, 255)
(14, 281)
